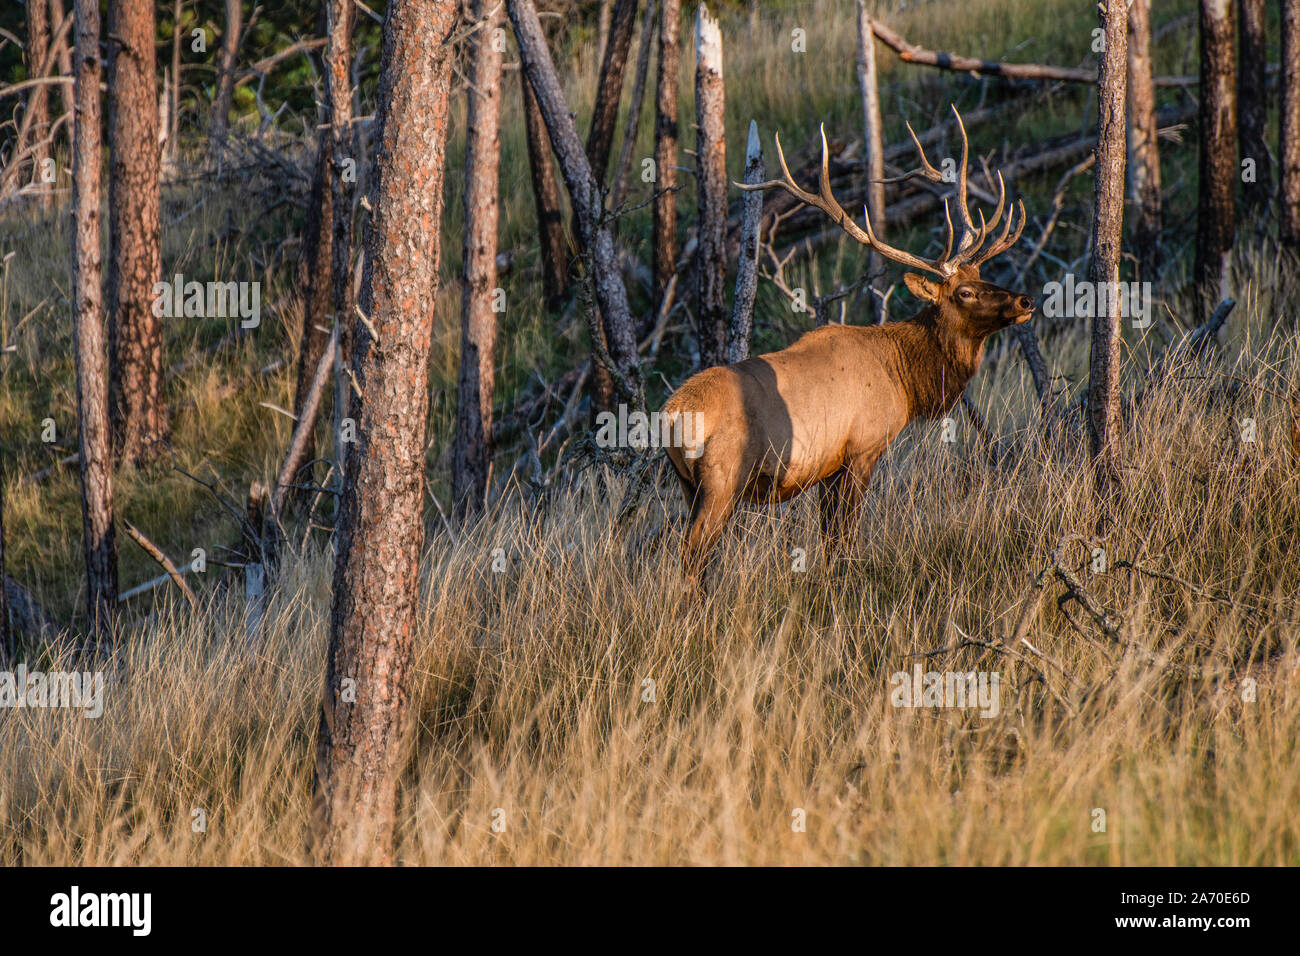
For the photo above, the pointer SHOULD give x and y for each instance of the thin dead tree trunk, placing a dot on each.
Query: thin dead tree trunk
(365, 719)
(742, 308)
(665, 206)
(1289, 137)
(644, 46)
(1103, 272)
(711, 177)
(1216, 213)
(226, 76)
(63, 60)
(609, 90)
(135, 335)
(472, 446)
(38, 103)
(1252, 101)
(172, 154)
(94, 439)
(343, 162)
(316, 270)
(546, 196)
(602, 29)
(595, 236)
(873, 132)
(1143, 148)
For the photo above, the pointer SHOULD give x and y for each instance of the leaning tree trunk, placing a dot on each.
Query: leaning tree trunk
(546, 197)
(135, 335)
(472, 447)
(594, 233)
(93, 437)
(1216, 214)
(711, 178)
(338, 59)
(316, 271)
(1143, 148)
(609, 90)
(38, 103)
(1289, 138)
(665, 205)
(644, 45)
(1252, 100)
(226, 76)
(1108, 216)
(366, 717)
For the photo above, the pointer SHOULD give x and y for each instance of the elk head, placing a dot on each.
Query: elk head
(959, 301)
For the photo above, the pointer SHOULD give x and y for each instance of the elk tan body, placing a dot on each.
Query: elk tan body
(823, 411)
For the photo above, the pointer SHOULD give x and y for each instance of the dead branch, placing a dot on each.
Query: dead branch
(164, 562)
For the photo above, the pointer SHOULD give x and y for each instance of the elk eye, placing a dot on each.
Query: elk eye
(965, 294)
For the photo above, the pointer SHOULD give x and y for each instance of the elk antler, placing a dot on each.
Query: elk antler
(968, 246)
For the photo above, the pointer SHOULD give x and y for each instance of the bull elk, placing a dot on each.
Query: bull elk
(823, 410)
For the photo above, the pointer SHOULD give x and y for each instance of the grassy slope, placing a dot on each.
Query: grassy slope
(774, 696)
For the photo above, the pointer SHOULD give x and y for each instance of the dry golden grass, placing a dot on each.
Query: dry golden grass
(773, 695)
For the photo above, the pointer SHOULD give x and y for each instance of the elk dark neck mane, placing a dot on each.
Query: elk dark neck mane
(934, 364)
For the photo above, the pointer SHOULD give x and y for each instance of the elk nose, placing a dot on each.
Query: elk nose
(1025, 303)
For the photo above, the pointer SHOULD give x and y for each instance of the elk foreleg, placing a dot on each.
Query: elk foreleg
(710, 511)
(841, 506)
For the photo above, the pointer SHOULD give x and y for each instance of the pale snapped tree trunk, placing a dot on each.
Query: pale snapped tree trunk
(1108, 216)
(472, 447)
(873, 138)
(38, 103)
(1216, 213)
(546, 198)
(135, 333)
(94, 440)
(742, 308)
(595, 236)
(1289, 138)
(711, 179)
(609, 89)
(226, 76)
(1143, 149)
(1252, 100)
(665, 205)
(365, 719)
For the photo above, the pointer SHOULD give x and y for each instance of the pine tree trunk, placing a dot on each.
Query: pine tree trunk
(38, 103)
(742, 306)
(546, 197)
(644, 45)
(478, 323)
(226, 76)
(665, 206)
(711, 179)
(1143, 148)
(1216, 214)
(338, 82)
(1108, 216)
(135, 335)
(609, 91)
(366, 720)
(93, 437)
(594, 234)
(1252, 100)
(1289, 138)
(316, 271)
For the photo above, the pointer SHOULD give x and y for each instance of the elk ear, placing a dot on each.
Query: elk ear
(921, 287)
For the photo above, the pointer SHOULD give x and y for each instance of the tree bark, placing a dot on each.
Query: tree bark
(1216, 213)
(135, 334)
(546, 197)
(472, 447)
(365, 719)
(226, 75)
(711, 178)
(609, 90)
(742, 308)
(172, 153)
(644, 45)
(316, 270)
(1143, 148)
(1252, 100)
(38, 103)
(1108, 215)
(873, 138)
(94, 439)
(1289, 138)
(338, 80)
(594, 233)
(665, 206)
